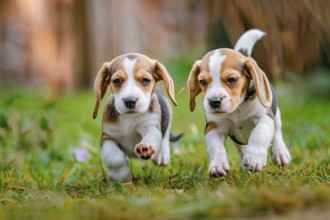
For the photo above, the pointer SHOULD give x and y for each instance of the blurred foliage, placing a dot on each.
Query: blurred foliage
(61, 44)
(318, 84)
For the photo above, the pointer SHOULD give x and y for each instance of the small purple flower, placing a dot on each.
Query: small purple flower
(81, 153)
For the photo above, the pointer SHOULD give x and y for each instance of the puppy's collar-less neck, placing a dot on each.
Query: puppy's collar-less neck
(252, 90)
(113, 113)
(249, 93)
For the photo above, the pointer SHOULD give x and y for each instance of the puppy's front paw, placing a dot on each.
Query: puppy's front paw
(144, 151)
(161, 160)
(219, 169)
(281, 156)
(254, 159)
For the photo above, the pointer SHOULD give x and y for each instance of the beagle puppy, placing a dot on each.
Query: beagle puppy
(137, 118)
(239, 102)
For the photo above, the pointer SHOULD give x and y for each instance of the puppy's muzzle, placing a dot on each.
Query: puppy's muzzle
(130, 102)
(215, 103)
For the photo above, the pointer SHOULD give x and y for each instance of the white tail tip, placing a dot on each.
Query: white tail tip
(246, 42)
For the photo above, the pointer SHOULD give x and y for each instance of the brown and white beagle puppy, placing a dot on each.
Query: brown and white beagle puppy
(137, 117)
(239, 102)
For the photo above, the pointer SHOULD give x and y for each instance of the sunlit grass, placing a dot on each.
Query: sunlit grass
(40, 177)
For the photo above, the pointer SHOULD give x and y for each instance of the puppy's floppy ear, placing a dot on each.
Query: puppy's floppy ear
(193, 85)
(260, 82)
(162, 74)
(101, 84)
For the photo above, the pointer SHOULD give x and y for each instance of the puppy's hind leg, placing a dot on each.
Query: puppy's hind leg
(280, 153)
(116, 162)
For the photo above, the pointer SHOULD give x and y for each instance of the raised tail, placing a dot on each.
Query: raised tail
(246, 42)
(176, 137)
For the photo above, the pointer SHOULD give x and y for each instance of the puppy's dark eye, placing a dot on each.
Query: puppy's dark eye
(231, 81)
(203, 82)
(117, 82)
(145, 81)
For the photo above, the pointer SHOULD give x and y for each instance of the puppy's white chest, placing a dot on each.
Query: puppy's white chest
(126, 131)
(240, 131)
(244, 120)
(125, 127)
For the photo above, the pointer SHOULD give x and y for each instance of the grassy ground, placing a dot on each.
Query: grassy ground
(41, 179)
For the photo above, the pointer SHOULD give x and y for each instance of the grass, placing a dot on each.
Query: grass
(41, 179)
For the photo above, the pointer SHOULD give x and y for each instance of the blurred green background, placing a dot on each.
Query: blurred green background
(50, 52)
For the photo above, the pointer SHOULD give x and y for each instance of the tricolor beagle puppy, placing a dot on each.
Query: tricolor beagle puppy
(239, 102)
(137, 118)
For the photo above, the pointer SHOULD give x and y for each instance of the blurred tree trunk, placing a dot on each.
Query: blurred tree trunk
(82, 43)
(216, 35)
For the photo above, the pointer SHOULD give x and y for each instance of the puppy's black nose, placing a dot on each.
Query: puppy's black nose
(214, 102)
(130, 102)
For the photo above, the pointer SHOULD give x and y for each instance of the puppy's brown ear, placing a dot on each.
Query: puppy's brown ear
(193, 85)
(260, 82)
(101, 84)
(162, 74)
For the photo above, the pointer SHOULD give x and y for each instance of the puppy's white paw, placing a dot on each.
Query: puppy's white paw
(120, 176)
(280, 155)
(161, 159)
(219, 169)
(254, 159)
(144, 151)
